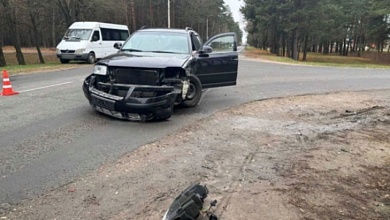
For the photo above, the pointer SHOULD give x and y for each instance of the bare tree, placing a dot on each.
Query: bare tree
(68, 9)
(133, 15)
(2, 57)
(40, 22)
(10, 17)
(34, 7)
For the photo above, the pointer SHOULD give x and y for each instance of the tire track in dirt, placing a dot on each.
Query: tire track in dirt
(235, 185)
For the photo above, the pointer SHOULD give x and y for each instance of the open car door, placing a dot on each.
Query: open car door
(218, 66)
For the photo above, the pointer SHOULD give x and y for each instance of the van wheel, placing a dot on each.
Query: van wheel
(194, 92)
(91, 58)
(64, 61)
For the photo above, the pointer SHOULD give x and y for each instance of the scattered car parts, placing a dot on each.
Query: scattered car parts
(189, 205)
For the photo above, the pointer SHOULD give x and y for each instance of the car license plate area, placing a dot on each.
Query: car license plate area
(102, 102)
(67, 56)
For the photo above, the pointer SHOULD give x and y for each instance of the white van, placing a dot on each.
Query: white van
(89, 41)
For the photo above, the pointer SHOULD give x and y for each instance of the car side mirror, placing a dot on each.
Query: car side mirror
(95, 38)
(207, 49)
(118, 45)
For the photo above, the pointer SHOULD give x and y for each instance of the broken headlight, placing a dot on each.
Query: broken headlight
(100, 70)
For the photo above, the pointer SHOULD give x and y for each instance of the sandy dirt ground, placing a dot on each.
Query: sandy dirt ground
(306, 157)
(44, 50)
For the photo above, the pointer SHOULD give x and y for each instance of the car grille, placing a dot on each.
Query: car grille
(67, 51)
(136, 76)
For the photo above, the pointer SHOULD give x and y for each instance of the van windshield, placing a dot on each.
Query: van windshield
(78, 34)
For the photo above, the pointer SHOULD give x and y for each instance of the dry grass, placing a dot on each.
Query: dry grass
(368, 59)
(32, 60)
(30, 55)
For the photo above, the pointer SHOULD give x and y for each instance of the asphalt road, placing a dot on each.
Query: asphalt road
(50, 136)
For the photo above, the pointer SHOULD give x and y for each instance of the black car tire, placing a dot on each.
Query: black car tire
(91, 58)
(194, 92)
(63, 61)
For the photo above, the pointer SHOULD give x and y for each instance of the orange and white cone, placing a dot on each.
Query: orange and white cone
(7, 87)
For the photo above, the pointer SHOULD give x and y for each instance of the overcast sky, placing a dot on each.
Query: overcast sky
(235, 6)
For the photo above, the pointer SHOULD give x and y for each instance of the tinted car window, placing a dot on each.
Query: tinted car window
(96, 36)
(196, 44)
(113, 34)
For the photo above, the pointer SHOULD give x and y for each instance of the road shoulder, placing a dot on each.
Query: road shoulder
(314, 157)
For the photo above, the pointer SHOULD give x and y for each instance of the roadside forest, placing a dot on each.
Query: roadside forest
(291, 28)
(41, 23)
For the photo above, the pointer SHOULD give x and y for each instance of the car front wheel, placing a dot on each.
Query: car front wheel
(194, 92)
(91, 58)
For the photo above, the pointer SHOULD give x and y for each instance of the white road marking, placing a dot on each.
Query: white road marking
(45, 87)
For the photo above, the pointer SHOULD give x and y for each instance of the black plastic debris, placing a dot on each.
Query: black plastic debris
(189, 205)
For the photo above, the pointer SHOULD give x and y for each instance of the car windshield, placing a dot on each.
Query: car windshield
(78, 34)
(157, 42)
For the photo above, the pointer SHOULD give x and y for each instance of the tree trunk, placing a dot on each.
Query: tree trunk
(348, 48)
(284, 44)
(331, 47)
(10, 15)
(2, 58)
(345, 47)
(37, 37)
(53, 33)
(320, 48)
(151, 13)
(314, 48)
(66, 11)
(288, 41)
(124, 3)
(264, 43)
(353, 48)
(173, 14)
(359, 47)
(133, 15)
(305, 48)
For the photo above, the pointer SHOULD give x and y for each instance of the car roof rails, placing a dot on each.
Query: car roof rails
(189, 29)
(143, 27)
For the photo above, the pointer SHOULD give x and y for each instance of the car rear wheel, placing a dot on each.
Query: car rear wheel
(91, 58)
(63, 61)
(194, 92)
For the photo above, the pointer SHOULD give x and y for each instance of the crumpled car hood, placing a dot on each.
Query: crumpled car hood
(144, 61)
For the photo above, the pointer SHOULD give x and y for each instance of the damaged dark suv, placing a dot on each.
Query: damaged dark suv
(156, 69)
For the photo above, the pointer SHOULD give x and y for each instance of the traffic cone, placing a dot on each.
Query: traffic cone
(7, 87)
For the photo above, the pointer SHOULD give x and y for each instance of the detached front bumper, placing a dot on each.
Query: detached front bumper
(130, 107)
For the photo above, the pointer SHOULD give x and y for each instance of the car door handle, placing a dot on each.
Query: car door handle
(234, 59)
